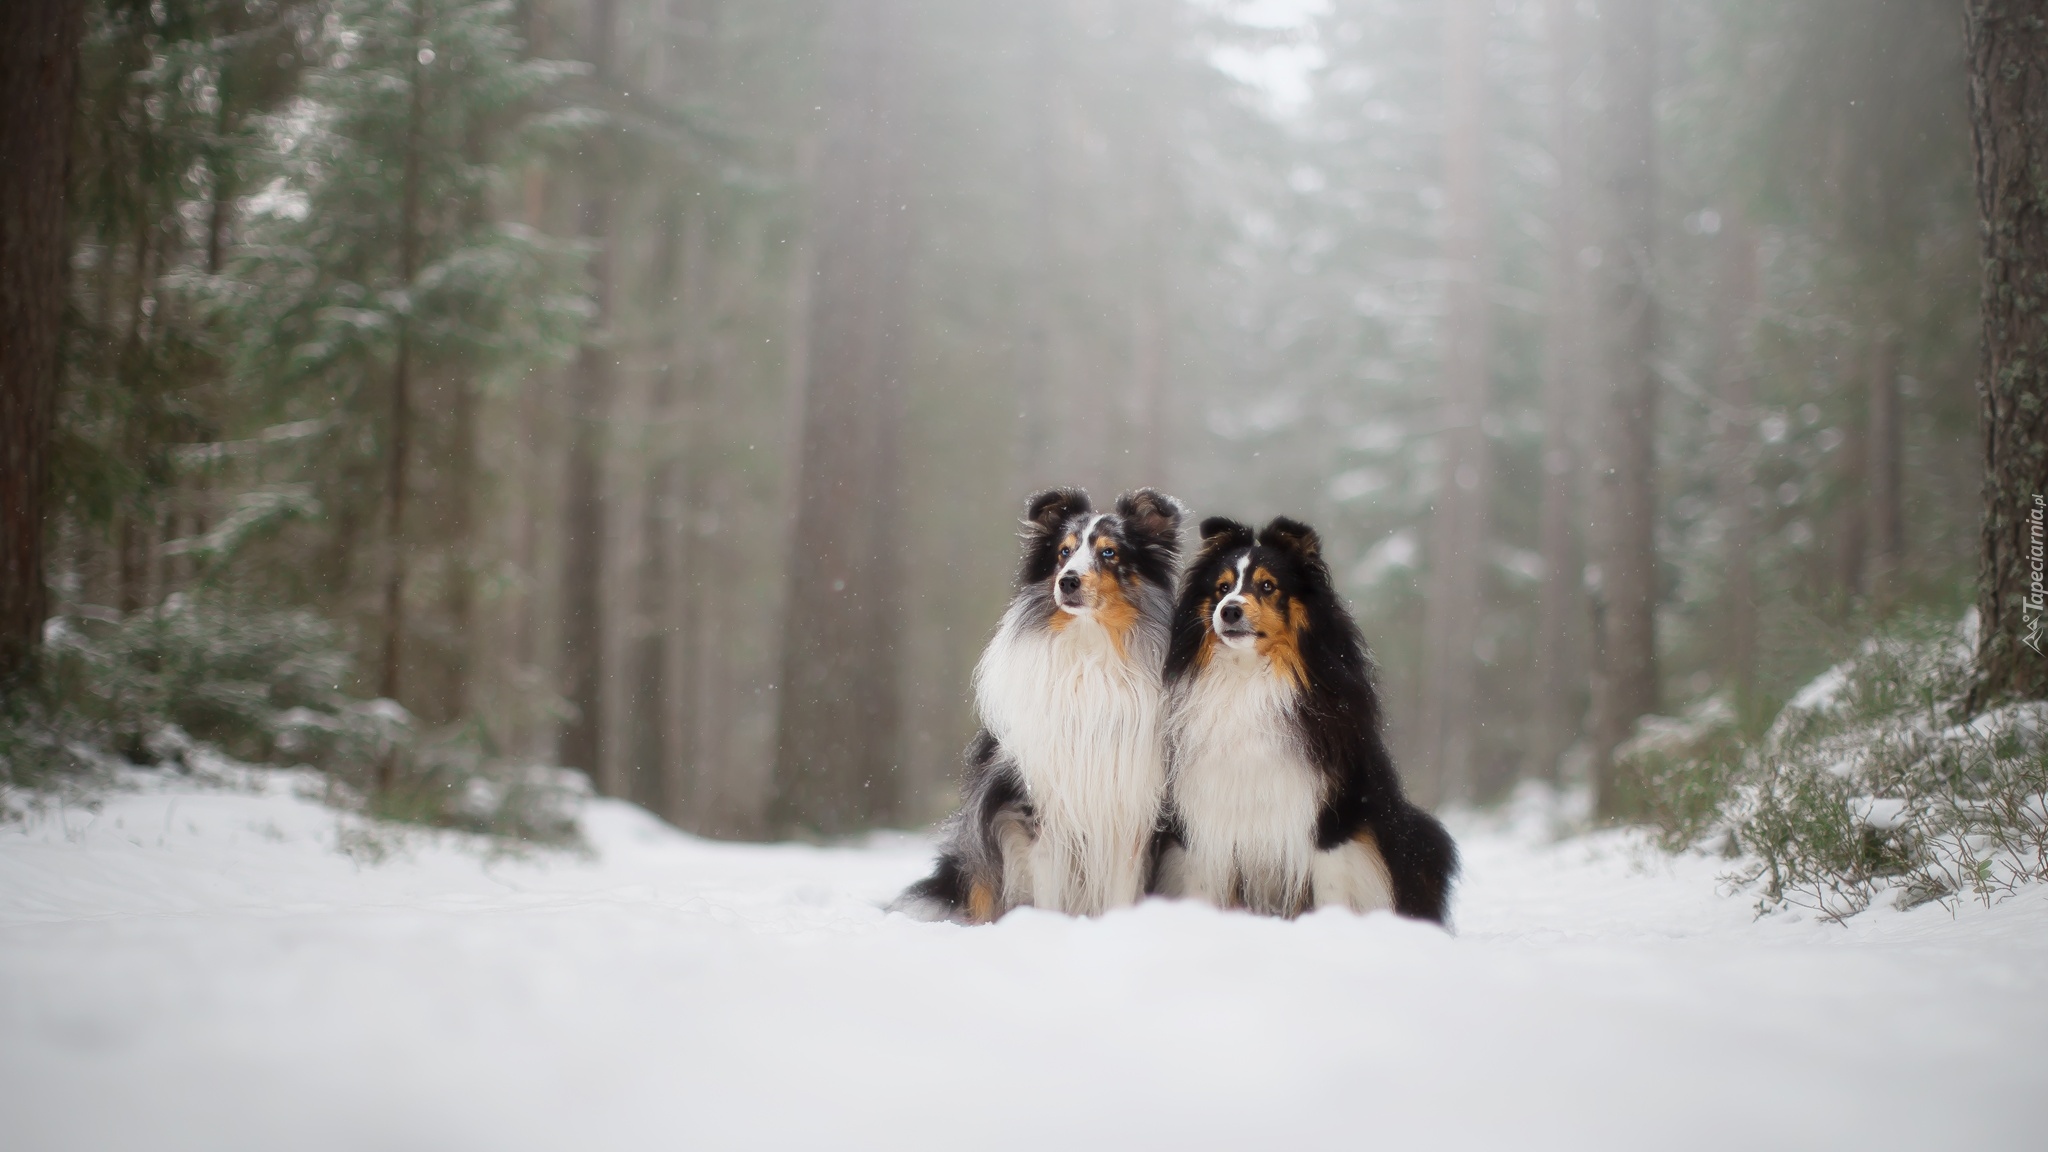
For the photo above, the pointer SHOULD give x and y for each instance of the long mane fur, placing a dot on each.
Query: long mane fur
(1064, 781)
(1336, 716)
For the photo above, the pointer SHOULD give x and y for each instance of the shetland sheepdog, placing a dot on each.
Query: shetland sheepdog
(1280, 794)
(1065, 779)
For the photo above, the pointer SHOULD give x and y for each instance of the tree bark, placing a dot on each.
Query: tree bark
(1625, 685)
(1151, 307)
(2008, 49)
(691, 722)
(465, 670)
(220, 183)
(837, 756)
(684, 727)
(464, 673)
(1735, 302)
(131, 560)
(1851, 516)
(1561, 638)
(1457, 563)
(135, 377)
(398, 443)
(1035, 383)
(660, 724)
(38, 85)
(1886, 532)
(583, 530)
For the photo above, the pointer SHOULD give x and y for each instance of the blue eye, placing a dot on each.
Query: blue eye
(1109, 553)
(1066, 552)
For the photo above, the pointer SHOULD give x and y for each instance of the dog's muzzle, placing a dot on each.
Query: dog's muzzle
(1231, 625)
(1070, 594)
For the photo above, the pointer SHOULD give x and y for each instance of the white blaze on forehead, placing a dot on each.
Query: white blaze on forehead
(1084, 556)
(1237, 585)
(1236, 596)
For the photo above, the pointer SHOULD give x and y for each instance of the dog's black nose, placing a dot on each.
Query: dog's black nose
(1232, 614)
(1071, 582)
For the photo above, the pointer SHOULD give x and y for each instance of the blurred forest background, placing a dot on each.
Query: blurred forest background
(651, 387)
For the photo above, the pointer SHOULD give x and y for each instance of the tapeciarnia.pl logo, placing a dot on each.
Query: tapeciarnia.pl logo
(2037, 593)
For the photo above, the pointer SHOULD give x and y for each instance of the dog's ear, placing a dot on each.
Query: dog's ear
(1221, 534)
(1152, 514)
(1293, 536)
(1049, 509)
(1043, 515)
(1216, 526)
(1300, 541)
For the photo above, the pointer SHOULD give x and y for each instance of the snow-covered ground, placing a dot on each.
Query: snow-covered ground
(195, 968)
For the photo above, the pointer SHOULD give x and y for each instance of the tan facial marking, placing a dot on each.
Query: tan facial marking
(1207, 651)
(1059, 616)
(1116, 612)
(1278, 631)
(1260, 610)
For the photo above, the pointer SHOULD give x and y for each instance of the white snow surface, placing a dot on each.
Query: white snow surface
(202, 968)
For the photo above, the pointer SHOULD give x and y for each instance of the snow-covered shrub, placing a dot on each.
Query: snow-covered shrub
(195, 669)
(199, 676)
(454, 782)
(1868, 783)
(1678, 772)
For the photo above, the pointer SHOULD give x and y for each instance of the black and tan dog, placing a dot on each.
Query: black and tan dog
(1281, 796)
(1065, 779)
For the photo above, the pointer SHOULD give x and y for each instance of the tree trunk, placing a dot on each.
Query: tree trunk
(688, 721)
(131, 560)
(220, 188)
(1886, 510)
(38, 83)
(465, 674)
(582, 569)
(1561, 640)
(1735, 302)
(836, 761)
(583, 527)
(660, 721)
(676, 553)
(627, 589)
(1851, 516)
(1457, 561)
(1151, 301)
(399, 440)
(666, 676)
(2008, 48)
(1032, 466)
(465, 671)
(1625, 684)
(136, 378)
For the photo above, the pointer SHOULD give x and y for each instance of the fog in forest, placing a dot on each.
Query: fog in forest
(653, 387)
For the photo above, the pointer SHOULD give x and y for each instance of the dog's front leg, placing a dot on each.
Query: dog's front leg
(1016, 836)
(1053, 872)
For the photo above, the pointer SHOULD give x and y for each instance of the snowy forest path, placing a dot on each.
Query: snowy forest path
(193, 967)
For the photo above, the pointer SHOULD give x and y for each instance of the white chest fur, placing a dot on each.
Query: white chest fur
(1246, 793)
(1082, 719)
